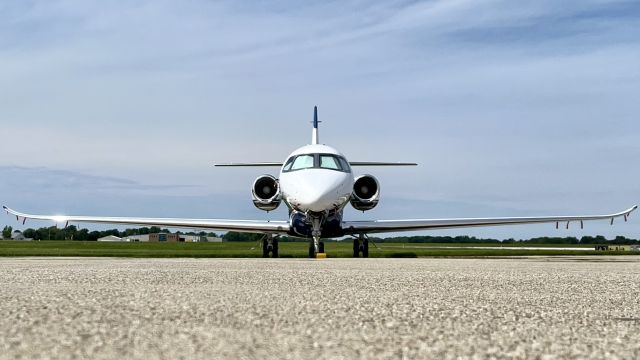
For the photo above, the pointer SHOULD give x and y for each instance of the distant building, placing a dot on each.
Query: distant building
(196, 238)
(163, 237)
(137, 238)
(189, 238)
(168, 237)
(111, 238)
(17, 235)
(614, 247)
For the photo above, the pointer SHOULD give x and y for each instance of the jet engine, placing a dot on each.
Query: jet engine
(266, 193)
(366, 193)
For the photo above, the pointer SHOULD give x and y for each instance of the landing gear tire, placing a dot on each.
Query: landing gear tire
(356, 248)
(365, 248)
(361, 244)
(274, 249)
(270, 247)
(312, 250)
(321, 247)
(265, 248)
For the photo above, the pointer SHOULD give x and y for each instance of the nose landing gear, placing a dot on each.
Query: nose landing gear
(312, 248)
(315, 245)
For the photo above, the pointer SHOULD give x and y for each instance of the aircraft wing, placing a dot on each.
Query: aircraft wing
(253, 226)
(381, 226)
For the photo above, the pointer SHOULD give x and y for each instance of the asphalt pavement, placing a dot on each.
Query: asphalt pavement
(104, 308)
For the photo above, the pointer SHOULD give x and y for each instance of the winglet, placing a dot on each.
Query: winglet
(626, 216)
(632, 209)
(10, 211)
(314, 136)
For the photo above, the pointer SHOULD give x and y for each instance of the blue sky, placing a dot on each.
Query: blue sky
(510, 108)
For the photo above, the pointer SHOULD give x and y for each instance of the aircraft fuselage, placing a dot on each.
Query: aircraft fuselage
(316, 182)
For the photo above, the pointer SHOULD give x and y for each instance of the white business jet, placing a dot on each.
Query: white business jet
(316, 182)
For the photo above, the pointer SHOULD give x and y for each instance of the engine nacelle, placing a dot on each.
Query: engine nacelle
(266, 193)
(366, 193)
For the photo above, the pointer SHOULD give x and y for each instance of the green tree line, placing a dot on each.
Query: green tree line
(619, 240)
(73, 233)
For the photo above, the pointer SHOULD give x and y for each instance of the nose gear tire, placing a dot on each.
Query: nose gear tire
(312, 250)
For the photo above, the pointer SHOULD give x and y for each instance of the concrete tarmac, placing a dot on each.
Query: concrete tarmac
(544, 307)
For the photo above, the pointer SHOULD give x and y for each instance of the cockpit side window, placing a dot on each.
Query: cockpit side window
(287, 165)
(345, 164)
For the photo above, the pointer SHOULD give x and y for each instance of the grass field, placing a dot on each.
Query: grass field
(245, 249)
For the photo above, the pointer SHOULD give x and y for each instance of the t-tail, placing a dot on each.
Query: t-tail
(314, 137)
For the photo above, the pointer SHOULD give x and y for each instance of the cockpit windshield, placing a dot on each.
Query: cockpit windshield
(322, 161)
(329, 162)
(302, 162)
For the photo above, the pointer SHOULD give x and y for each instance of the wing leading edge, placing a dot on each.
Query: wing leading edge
(381, 226)
(350, 227)
(271, 227)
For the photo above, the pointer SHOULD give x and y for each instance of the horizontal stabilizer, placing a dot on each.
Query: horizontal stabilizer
(379, 163)
(352, 163)
(250, 164)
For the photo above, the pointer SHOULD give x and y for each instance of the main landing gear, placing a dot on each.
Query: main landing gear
(270, 245)
(361, 245)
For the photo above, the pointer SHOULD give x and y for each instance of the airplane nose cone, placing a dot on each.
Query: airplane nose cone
(321, 190)
(318, 200)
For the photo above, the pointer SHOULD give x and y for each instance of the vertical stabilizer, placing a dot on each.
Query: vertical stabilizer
(314, 138)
